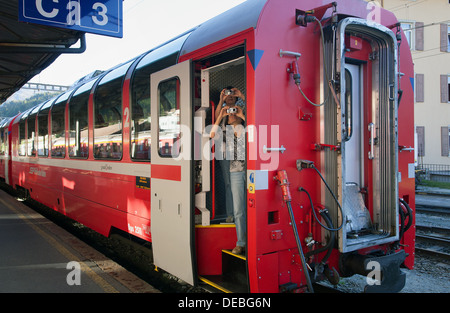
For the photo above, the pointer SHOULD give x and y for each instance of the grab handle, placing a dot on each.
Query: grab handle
(371, 140)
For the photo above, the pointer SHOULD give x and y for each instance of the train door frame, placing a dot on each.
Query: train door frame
(172, 218)
(208, 102)
(222, 66)
(380, 116)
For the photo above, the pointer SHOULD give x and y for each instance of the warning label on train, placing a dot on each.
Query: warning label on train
(143, 182)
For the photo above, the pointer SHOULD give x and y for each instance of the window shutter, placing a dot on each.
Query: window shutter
(420, 130)
(420, 92)
(444, 89)
(444, 141)
(419, 36)
(444, 38)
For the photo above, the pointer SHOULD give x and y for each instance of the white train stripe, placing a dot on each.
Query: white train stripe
(104, 166)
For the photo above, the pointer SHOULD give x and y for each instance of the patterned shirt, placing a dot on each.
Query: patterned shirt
(234, 147)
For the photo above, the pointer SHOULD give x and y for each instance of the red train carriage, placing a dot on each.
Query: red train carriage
(328, 106)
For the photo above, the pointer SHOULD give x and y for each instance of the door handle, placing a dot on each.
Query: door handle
(371, 140)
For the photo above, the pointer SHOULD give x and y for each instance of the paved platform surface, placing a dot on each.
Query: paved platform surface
(37, 256)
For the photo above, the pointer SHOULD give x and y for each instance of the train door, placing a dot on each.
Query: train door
(367, 133)
(171, 171)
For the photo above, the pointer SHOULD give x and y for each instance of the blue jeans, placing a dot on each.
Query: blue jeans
(225, 166)
(237, 181)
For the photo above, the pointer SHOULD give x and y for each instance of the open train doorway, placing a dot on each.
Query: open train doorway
(218, 225)
(367, 127)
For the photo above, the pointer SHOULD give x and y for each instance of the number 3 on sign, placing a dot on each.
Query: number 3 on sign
(101, 10)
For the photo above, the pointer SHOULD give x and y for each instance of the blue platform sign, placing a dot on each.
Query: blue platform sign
(103, 17)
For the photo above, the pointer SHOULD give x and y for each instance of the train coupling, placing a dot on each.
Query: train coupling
(383, 272)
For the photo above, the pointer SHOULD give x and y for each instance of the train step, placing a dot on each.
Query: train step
(234, 278)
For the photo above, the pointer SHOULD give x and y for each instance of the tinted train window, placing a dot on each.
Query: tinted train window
(78, 122)
(3, 137)
(43, 132)
(169, 118)
(154, 61)
(31, 131)
(108, 115)
(58, 118)
(22, 139)
(140, 114)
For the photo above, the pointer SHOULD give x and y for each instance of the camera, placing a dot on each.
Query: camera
(229, 92)
(232, 110)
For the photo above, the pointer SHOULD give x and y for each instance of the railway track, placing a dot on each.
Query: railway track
(433, 240)
(433, 225)
(433, 209)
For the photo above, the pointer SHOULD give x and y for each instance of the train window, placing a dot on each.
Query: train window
(154, 61)
(169, 118)
(58, 139)
(2, 142)
(43, 132)
(78, 122)
(22, 139)
(31, 131)
(348, 106)
(140, 114)
(108, 115)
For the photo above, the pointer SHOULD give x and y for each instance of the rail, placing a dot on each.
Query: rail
(433, 240)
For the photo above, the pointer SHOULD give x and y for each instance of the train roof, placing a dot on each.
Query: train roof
(233, 21)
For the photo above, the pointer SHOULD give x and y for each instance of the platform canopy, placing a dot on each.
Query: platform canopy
(26, 49)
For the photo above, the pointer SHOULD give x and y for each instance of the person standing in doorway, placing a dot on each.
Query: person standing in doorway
(230, 118)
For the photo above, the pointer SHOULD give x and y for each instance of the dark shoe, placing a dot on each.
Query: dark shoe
(238, 250)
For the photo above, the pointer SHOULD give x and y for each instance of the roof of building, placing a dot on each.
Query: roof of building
(26, 49)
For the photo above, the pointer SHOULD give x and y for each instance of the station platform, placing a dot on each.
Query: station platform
(38, 256)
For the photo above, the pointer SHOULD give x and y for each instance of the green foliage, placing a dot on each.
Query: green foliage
(11, 109)
(430, 183)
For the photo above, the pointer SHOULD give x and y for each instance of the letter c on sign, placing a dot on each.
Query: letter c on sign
(44, 13)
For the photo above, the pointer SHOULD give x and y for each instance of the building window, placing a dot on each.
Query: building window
(448, 37)
(420, 131)
(407, 28)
